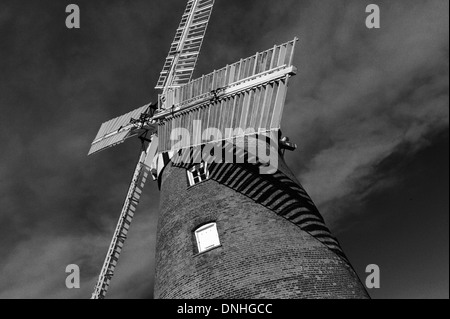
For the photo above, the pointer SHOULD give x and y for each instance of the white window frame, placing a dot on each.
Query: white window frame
(190, 174)
(214, 238)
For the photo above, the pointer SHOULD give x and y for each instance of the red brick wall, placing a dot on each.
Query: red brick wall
(262, 255)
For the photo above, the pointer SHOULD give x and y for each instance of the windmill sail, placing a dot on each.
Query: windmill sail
(249, 94)
(185, 48)
(117, 130)
(135, 190)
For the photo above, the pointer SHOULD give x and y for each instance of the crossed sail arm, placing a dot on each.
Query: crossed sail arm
(185, 48)
(249, 94)
(117, 130)
(141, 173)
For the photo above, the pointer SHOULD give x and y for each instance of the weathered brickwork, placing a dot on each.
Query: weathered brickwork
(263, 255)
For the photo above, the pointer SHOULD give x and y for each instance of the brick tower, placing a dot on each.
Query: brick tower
(272, 241)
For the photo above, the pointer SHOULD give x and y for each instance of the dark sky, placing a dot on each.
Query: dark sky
(368, 108)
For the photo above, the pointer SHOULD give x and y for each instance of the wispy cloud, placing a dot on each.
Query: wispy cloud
(361, 93)
(36, 268)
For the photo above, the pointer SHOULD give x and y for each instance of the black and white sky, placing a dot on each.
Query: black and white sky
(368, 108)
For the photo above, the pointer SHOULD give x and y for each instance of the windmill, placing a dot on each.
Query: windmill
(249, 94)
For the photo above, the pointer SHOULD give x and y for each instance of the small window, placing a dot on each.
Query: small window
(198, 174)
(207, 237)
